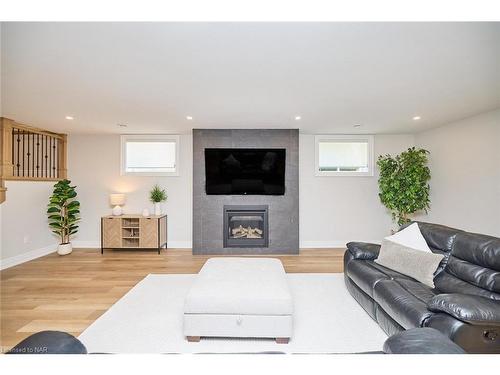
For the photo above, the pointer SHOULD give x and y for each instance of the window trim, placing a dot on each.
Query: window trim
(124, 138)
(351, 137)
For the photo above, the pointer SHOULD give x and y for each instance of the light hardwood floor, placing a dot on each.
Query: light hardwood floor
(69, 293)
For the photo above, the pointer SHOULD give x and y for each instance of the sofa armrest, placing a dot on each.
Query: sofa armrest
(421, 341)
(467, 308)
(363, 250)
(49, 342)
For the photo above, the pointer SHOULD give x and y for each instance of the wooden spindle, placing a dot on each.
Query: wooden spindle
(37, 154)
(12, 147)
(54, 170)
(18, 140)
(45, 157)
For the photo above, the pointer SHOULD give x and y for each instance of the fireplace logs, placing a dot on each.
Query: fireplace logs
(248, 232)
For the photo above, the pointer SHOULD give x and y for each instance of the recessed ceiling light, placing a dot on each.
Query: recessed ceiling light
(416, 118)
(69, 118)
(357, 125)
(297, 118)
(122, 125)
(189, 117)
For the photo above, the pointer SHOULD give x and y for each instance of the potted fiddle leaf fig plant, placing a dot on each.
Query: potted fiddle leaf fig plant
(63, 213)
(156, 196)
(404, 183)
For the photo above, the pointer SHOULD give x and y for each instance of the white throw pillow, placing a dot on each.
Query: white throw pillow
(410, 237)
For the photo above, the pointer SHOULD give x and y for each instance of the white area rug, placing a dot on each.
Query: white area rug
(148, 319)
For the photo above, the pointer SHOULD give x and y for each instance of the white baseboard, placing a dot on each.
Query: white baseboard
(97, 244)
(33, 254)
(30, 255)
(180, 244)
(86, 245)
(188, 244)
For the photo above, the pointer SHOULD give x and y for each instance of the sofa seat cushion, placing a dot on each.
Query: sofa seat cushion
(366, 274)
(467, 308)
(404, 300)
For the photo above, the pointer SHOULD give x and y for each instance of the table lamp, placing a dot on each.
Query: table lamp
(117, 200)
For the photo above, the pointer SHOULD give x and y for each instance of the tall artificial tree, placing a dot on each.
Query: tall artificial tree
(404, 183)
(63, 210)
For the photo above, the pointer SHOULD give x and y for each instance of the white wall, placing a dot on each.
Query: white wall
(465, 166)
(94, 167)
(335, 210)
(24, 228)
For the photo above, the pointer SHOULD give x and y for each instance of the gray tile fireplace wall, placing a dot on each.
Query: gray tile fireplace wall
(208, 210)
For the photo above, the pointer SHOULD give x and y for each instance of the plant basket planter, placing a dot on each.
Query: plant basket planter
(64, 248)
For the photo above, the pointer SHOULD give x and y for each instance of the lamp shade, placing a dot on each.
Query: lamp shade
(117, 199)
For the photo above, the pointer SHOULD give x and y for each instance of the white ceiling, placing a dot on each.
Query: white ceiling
(248, 75)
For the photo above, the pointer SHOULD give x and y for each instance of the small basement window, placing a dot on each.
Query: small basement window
(150, 155)
(344, 155)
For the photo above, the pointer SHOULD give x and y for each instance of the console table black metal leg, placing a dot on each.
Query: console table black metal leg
(158, 232)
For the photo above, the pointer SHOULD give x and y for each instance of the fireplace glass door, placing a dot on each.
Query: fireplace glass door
(246, 226)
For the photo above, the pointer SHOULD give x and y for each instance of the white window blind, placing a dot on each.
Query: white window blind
(150, 155)
(344, 155)
(338, 156)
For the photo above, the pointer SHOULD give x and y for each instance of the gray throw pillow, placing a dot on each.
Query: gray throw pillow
(410, 262)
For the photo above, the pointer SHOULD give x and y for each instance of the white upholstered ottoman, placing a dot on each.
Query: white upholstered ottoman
(239, 297)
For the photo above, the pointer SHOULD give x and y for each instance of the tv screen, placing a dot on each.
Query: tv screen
(239, 171)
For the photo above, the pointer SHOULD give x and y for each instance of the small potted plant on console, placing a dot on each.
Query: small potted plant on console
(157, 195)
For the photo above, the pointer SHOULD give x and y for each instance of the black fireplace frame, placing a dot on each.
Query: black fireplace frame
(245, 242)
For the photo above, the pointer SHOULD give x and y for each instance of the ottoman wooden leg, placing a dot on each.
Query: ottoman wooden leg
(193, 338)
(282, 340)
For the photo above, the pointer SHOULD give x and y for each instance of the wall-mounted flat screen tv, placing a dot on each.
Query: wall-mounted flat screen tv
(241, 171)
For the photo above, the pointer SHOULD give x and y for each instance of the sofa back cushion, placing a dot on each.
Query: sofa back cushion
(478, 249)
(473, 266)
(438, 237)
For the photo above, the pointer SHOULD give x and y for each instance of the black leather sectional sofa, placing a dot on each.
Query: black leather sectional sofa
(413, 341)
(465, 303)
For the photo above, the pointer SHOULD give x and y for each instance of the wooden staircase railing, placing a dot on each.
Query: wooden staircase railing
(30, 154)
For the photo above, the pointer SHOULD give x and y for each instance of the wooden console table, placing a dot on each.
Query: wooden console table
(133, 232)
